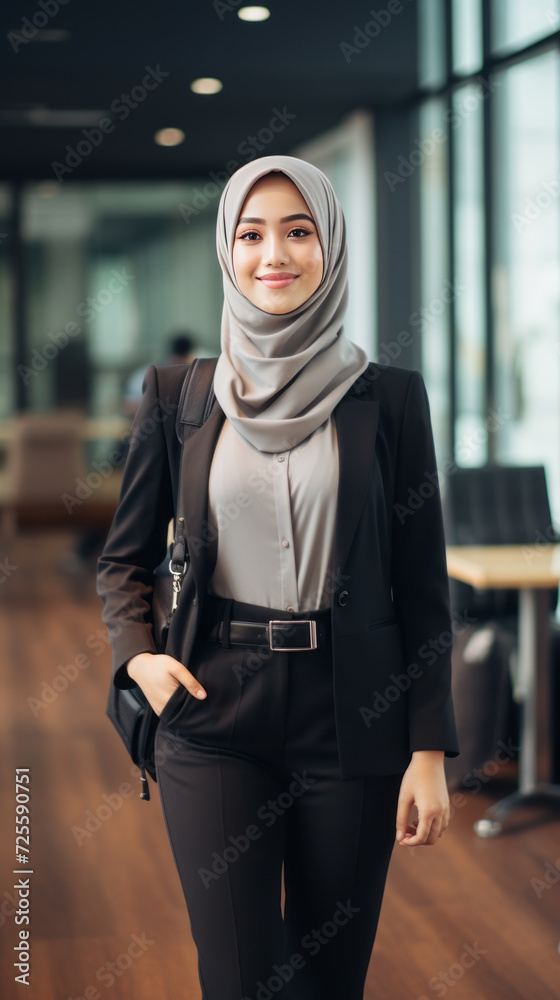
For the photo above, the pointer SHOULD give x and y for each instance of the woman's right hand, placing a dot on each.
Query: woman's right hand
(159, 675)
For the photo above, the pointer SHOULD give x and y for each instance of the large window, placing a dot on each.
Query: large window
(432, 320)
(516, 23)
(467, 35)
(526, 270)
(489, 208)
(431, 43)
(471, 420)
(6, 335)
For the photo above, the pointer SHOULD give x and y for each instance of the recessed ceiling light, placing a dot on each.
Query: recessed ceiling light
(40, 34)
(40, 116)
(206, 85)
(169, 137)
(253, 13)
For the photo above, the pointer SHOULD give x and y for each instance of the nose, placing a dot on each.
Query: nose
(274, 250)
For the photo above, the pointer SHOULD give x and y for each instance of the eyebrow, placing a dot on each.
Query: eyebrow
(287, 218)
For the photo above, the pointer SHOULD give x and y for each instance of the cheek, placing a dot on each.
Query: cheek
(239, 266)
(313, 264)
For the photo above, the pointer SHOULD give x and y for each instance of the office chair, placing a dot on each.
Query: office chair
(45, 457)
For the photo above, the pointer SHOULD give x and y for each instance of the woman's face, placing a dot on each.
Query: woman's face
(277, 256)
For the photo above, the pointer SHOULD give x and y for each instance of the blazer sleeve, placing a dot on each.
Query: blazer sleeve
(137, 539)
(419, 579)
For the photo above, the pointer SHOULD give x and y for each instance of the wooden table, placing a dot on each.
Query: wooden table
(533, 570)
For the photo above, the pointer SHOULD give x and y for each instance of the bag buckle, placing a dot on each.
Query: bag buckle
(299, 621)
(177, 575)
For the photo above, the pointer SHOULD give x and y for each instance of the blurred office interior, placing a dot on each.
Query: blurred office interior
(437, 122)
(439, 134)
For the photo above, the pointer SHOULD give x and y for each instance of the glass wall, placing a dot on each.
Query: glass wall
(112, 272)
(471, 440)
(466, 25)
(432, 68)
(6, 333)
(432, 320)
(526, 270)
(489, 207)
(516, 23)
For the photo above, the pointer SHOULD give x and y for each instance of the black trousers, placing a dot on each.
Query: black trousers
(249, 783)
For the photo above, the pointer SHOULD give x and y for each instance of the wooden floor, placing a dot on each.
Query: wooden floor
(462, 918)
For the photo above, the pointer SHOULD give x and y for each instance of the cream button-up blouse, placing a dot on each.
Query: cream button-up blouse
(274, 516)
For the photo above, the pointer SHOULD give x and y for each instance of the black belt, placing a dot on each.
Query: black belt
(277, 635)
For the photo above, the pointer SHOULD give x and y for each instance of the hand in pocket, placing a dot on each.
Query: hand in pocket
(159, 675)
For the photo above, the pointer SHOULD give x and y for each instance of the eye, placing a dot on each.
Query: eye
(249, 232)
(299, 229)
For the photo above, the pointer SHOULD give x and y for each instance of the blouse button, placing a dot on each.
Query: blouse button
(285, 543)
(290, 608)
(281, 459)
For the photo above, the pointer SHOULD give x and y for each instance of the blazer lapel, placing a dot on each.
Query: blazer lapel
(356, 426)
(198, 452)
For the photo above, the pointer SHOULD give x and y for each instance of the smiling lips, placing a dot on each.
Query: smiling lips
(277, 280)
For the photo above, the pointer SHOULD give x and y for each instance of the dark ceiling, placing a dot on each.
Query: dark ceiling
(291, 63)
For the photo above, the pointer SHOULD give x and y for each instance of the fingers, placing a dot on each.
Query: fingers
(424, 786)
(425, 830)
(403, 811)
(184, 676)
(190, 682)
(419, 834)
(187, 681)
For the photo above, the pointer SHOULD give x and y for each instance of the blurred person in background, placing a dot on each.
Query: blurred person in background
(181, 350)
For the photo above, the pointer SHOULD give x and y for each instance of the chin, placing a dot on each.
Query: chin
(278, 310)
(284, 306)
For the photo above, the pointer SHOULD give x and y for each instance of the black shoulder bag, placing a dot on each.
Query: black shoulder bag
(128, 708)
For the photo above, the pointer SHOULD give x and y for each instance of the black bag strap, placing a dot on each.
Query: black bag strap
(195, 403)
(197, 397)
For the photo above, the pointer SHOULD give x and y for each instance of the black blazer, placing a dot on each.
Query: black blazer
(391, 625)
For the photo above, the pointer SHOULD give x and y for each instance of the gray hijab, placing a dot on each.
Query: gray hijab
(279, 377)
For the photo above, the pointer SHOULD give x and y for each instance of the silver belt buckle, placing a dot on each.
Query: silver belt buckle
(289, 649)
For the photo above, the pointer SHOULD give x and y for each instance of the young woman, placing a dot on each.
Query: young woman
(304, 704)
